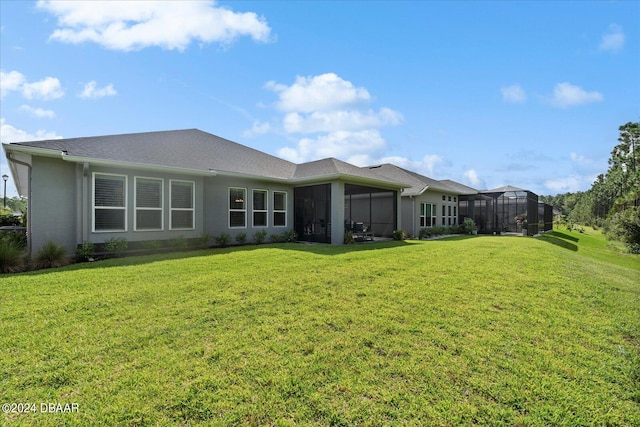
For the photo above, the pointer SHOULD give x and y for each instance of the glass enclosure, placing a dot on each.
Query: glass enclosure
(312, 206)
(374, 208)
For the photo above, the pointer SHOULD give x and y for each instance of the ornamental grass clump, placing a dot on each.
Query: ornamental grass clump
(51, 255)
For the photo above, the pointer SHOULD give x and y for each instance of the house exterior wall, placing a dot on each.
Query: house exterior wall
(216, 206)
(411, 210)
(131, 234)
(53, 201)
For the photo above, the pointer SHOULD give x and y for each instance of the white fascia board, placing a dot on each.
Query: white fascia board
(134, 165)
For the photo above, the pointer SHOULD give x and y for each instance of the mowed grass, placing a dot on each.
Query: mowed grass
(488, 330)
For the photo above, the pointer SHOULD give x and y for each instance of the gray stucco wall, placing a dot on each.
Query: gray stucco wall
(216, 206)
(411, 209)
(53, 204)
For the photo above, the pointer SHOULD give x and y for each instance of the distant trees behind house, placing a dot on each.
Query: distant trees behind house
(613, 201)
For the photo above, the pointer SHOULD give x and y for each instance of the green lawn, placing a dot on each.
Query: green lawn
(489, 330)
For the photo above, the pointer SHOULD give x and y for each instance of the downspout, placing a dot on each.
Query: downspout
(413, 216)
(84, 207)
(13, 159)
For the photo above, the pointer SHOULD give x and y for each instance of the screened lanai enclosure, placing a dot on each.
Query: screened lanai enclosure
(368, 211)
(505, 209)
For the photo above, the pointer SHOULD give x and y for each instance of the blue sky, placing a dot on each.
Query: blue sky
(485, 93)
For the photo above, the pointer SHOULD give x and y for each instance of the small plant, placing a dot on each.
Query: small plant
(10, 256)
(51, 255)
(276, 238)
(348, 238)
(399, 235)
(85, 252)
(290, 236)
(241, 238)
(259, 236)
(223, 240)
(203, 240)
(469, 226)
(117, 246)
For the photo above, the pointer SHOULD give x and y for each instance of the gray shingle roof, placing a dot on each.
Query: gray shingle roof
(419, 183)
(190, 149)
(193, 149)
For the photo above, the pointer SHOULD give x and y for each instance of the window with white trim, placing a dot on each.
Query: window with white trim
(279, 209)
(237, 207)
(427, 215)
(260, 208)
(182, 197)
(109, 202)
(148, 197)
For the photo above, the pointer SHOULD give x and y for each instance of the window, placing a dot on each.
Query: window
(444, 197)
(148, 197)
(260, 208)
(182, 202)
(427, 215)
(237, 207)
(449, 198)
(279, 209)
(109, 202)
(449, 210)
(444, 211)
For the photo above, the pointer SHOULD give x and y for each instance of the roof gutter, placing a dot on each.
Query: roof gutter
(143, 166)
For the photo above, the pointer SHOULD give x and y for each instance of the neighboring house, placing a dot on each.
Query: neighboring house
(183, 183)
(426, 202)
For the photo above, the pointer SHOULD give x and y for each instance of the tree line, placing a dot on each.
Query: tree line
(613, 201)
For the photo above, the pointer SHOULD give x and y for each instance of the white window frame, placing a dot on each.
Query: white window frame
(192, 209)
(94, 207)
(432, 216)
(283, 211)
(244, 210)
(136, 208)
(254, 210)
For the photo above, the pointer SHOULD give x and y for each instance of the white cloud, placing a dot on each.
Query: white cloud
(46, 89)
(91, 91)
(258, 128)
(330, 121)
(567, 95)
(471, 178)
(513, 94)
(613, 40)
(124, 25)
(563, 185)
(579, 159)
(339, 144)
(11, 81)
(335, 117)
(9, 134)
(325, 92)
(37, 112)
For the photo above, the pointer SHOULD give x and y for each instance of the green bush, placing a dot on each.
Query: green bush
(117, 246)
(203, 240)
(624, 226)
(85, 251)
(241, 238)
(469, 226)
(178, 243)
(51, 255)
(11, 256)
(290, 236)
(17, 237)
(259, 236)
(276, 238)
(223, 240)
(399, 235)
(348, 238)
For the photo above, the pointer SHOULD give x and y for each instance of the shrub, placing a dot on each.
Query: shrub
(399, 235)
(85, 251)
(425, 233)
(625, 227)
(10, 256)
(290, 236)
(7, 218)
(19, 238)
(50, 255)
(348, 238)
(259, 236)
(469, 226)
(117, 246)
(203, 240)
(223, 240)
(241, 238)
(276, 238)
